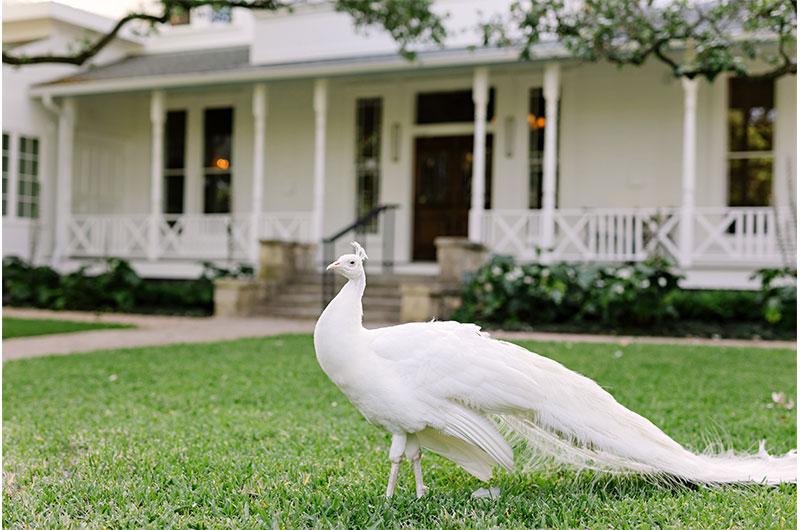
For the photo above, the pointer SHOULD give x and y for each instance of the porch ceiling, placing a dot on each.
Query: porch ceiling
(232, 65)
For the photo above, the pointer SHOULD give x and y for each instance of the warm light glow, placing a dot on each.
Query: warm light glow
(222, 163)
(536, 123)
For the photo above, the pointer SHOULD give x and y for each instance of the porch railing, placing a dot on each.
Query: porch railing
(187, 236)
(720, 235)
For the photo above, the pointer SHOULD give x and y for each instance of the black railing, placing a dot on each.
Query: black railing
(359, 228)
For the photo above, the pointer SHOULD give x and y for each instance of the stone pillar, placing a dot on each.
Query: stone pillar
(480, 96)
(320, 112)
(551, 92)
(66, 141)
(688, 171)
(457, 256)
(235, 298)
(259, 135)
(157, 119)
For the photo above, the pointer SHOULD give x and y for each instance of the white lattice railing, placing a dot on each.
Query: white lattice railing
(108, 235)
(187, 236)
(512, 232)
(286, 226)
(759, 235)
(739, 235)
(213, 236)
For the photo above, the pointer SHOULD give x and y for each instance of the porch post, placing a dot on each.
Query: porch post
(688, 171)
(66, 141)
(480, 96)
(320, 111)
(259, 120)
(551, 89)
(157, 119)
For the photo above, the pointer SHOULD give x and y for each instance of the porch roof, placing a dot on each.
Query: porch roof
(232, 66)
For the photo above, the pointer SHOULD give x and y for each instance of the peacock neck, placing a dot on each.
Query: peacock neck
(345, 310)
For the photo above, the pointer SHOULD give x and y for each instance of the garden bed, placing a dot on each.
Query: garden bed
(637, 299)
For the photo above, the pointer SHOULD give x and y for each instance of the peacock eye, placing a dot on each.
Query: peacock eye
(352, 262)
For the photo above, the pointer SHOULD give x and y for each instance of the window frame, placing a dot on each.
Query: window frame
(368, 166)
(737, 156)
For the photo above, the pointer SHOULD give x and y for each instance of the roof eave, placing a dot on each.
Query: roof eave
(284, 72)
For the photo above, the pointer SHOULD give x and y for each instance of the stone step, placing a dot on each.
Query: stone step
(312, 313)
(385, 291)
(294, 298)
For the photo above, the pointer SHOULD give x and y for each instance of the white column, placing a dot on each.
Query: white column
(63, 206)
(480, 96)
(551, 89)
(12, 194)
(320, 110)
(259, 133)
(688, 171)
(157, 119)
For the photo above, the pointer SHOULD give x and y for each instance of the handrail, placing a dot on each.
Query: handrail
(361, 221)
(359, 225)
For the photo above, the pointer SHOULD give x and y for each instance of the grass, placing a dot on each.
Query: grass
(24, 327)
(251, 434)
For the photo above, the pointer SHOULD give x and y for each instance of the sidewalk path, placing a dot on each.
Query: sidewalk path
(153, 330)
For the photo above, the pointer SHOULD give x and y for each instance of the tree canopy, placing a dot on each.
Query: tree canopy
(747, 38)
(754, 39)
(407, 21)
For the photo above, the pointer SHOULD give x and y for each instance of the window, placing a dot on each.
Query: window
(180, 16)
(221, 14)
(217, 163)
(6, 156)
(28, 183)
(450, 107)
(368, 157)
(751, 126)
(536, 128)
(174, 161)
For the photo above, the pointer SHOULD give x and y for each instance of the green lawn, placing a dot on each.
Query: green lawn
(27, 327)
(251, 434)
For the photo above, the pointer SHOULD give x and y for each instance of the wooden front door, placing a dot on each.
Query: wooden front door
(442, 188)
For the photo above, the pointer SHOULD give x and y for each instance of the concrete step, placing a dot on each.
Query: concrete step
(301, 298)
(385, 291)
(312, 313)
(295, 299)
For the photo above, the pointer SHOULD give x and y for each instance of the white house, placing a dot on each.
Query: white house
(194, 143)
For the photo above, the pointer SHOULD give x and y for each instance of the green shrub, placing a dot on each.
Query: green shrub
(641, 295)
(717, 305)
(778, 296)
(505, 293)
(116, 287)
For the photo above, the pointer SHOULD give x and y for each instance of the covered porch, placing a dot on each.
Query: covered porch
(293, 156)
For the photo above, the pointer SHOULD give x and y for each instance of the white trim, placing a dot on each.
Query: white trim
(320, 115)
(688, 170)
(551, 91)
(274, 72)
(63, 202)
(260, 110)
(157, 120)
(13, 176)
(480, 96)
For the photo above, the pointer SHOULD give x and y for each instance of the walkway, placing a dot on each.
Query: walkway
(154, 330)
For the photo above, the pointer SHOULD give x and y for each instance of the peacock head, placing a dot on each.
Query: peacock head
(350, 266)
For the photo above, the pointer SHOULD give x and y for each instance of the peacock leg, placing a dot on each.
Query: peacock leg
(395, 457)
(414, 454)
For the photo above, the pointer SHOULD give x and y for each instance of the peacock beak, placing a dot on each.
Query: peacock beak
(332, 265)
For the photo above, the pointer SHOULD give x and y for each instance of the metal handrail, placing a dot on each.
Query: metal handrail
(359, 227)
